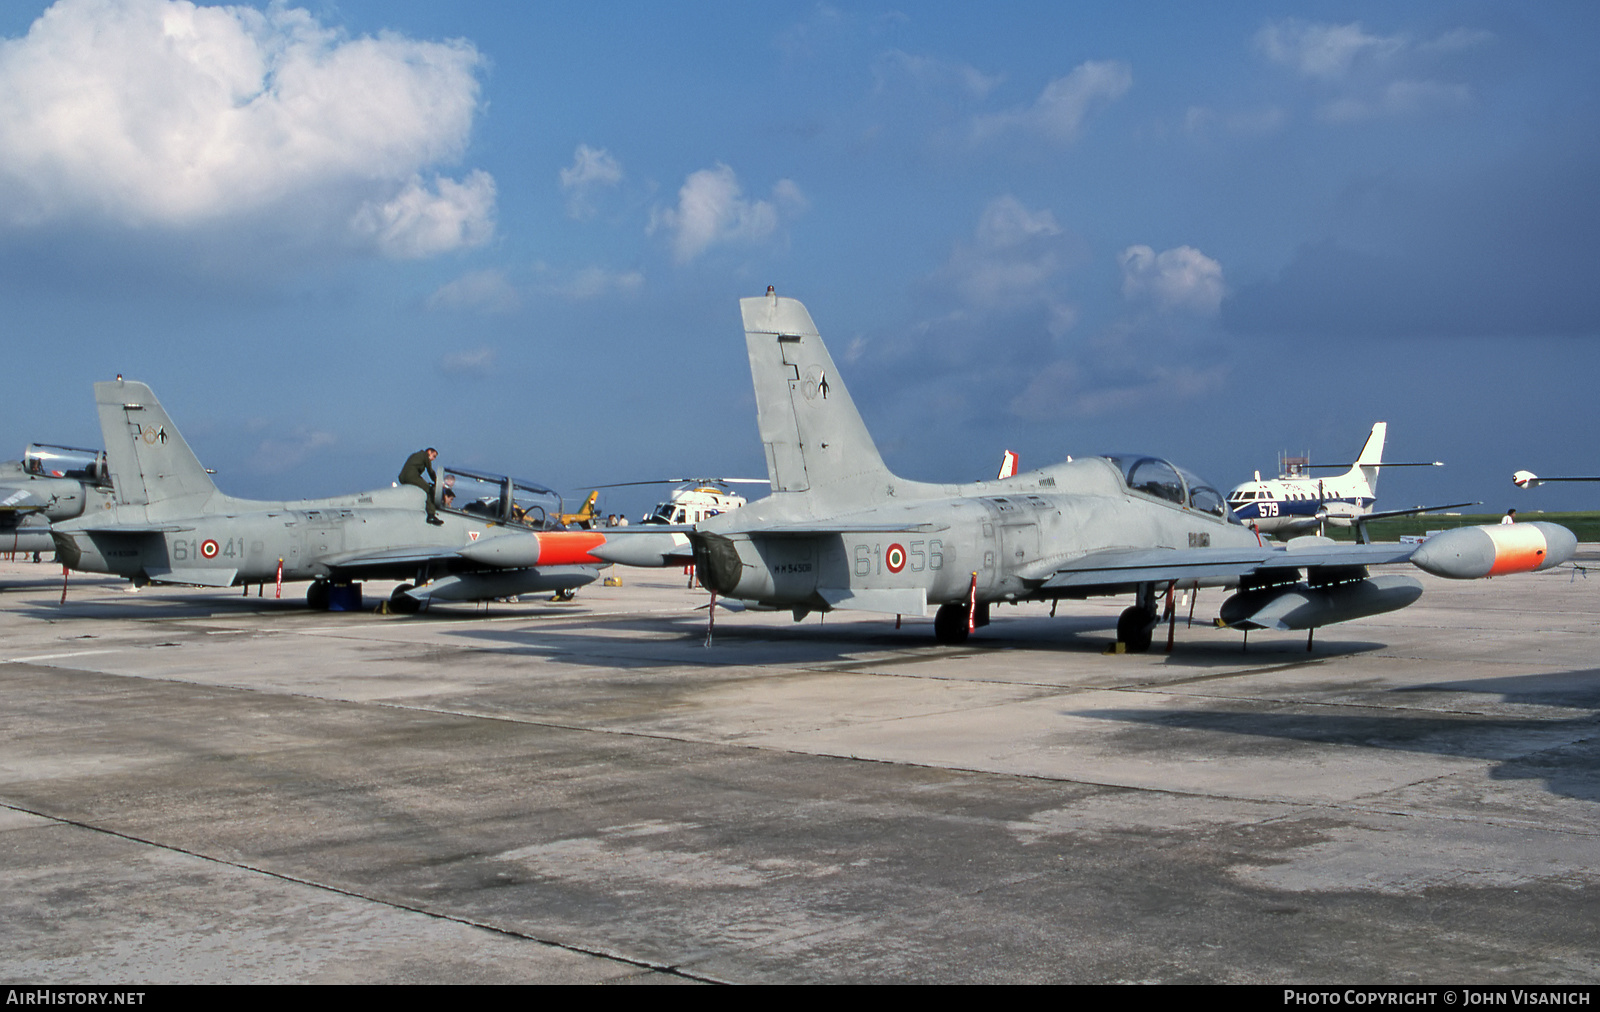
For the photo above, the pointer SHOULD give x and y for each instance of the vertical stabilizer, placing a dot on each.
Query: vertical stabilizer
(1371, 456)
(814, 438)
(149, 461)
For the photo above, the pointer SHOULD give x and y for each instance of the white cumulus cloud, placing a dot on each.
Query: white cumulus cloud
(1181, 279)
(1059, 111)
(593, 282)
(474, 362)
(713, 210)
(167, 114)
(1323, 51)
(278, 453)
(422, 219)
(1016, 256)
(1398, 98)
(1366, 75)
(1006, 223)
(931, 73)
(478, 292)
(591, 169)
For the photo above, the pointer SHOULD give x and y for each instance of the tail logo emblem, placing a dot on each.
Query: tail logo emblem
(816, 383)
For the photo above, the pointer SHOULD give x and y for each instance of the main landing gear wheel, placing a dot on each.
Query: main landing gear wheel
(1134, 628)
(950, 624)
(402, 603)
(317, 595)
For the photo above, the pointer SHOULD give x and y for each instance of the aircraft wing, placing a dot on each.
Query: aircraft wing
(127, 528)
(1160, 565)
(1413, 511)
(415, 555)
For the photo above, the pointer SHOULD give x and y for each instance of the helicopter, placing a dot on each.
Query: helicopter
(694, 500)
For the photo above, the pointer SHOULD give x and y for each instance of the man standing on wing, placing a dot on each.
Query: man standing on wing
(411, 474)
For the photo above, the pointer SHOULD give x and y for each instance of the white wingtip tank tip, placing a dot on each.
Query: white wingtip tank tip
(1468, 553)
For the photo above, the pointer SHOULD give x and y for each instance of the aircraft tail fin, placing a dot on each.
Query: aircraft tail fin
(1008, 464)
(149, 461)
(813, 435)
(1371, 457)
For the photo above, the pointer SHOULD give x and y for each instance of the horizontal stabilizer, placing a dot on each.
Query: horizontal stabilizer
(906, 601)
(832, 527)
(193, 577)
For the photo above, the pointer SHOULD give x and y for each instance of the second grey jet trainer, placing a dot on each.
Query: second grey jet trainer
(840, 531)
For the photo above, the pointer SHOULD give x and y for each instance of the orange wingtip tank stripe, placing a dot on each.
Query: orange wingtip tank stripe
(569, 548)
(1518, 548)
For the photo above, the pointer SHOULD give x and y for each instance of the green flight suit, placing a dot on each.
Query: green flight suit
(411, 474)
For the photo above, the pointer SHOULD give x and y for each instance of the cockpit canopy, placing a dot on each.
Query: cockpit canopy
(66, 462)
(498, 498)
(1165, 480)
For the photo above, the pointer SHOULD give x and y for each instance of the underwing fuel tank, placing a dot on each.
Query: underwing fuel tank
(503, 583)
(1301, 606)
(1467, 553)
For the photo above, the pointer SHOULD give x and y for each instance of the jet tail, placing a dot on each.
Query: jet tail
(1371, 456)
(1008, 464)
(813, 435)
(149, 461)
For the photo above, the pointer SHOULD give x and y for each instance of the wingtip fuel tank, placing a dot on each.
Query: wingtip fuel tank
(1468, 553)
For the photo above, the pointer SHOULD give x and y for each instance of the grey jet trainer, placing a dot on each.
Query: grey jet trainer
(840, 531)
(166, 522)
(49, 484)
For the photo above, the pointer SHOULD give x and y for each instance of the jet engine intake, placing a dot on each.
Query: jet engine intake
(717, 563)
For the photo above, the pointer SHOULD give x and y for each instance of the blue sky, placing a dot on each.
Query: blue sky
(330, 234)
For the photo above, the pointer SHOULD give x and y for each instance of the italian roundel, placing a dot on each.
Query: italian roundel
(895, 558)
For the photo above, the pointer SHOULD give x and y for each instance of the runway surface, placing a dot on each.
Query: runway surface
(197, 786)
